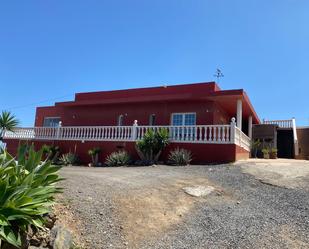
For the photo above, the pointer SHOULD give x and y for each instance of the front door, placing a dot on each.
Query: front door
(285, 143)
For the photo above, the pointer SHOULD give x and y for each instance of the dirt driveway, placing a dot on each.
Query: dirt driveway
(146, 207)
(281, 172)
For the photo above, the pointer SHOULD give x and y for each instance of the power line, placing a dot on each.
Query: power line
(38, 102)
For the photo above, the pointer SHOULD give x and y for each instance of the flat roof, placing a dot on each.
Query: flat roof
(207, 91)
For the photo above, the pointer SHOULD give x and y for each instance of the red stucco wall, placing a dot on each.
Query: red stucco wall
(202, 153)
(206, 113)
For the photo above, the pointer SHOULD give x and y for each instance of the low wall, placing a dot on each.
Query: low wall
(202, 153)
(303, 143)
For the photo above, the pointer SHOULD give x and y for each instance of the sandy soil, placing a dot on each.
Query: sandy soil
(281, 172)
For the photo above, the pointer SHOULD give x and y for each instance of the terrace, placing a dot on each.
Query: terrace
(199, 134)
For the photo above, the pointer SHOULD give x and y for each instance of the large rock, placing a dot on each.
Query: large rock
(198, 191)
(61, 238)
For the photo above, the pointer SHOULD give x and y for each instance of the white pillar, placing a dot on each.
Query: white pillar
(58, 134)
(239, 114)
(134, 130)
(250, 126)
(296, 148)
(232, 132)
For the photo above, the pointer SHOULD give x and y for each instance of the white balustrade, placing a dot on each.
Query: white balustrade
(242, 140)
(288, 123)
(207, 134)
(192, 134)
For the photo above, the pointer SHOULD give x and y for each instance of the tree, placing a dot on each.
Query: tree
(7, 123)
(152, 144)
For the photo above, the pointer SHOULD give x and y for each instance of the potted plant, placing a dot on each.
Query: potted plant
(265, 152)
(94, 153)
(273, 153)
(255, 146)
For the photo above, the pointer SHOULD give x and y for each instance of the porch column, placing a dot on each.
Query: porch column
(239, 114)
(250, 126)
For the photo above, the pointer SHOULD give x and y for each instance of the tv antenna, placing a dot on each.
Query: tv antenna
(218, 74)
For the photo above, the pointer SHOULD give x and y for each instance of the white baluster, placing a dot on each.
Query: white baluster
(223, 133)
(125, 133)
(108, 133)
(228, 133)
(112, 132)
(214, 134)
(142, 130)
(210, 134)
(205, 133)
(200, 133)
(177, 133)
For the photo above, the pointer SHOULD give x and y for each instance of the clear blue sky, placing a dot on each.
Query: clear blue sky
(53, 48)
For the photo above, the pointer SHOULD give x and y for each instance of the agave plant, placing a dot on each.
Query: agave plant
(119, 158)
(27, 189)
(68, 159)
(7, 122)
(180, 157)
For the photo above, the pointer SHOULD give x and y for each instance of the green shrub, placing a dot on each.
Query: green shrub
(68, 159)
(27, 189)
(266, 152)
(152, 144)
(119, 158)
(255, 146)
(51, 152)
(180, 157)
(94, 153)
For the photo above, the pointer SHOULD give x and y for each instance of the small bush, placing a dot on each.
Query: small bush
(94, 153)
(266, 152)
(180, 157)
(119, 158)
(68, 159)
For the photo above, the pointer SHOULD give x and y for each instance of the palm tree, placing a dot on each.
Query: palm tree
(7, 123)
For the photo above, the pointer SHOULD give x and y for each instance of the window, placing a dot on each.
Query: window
(120, 120)
(183, 119)
(51, 122)
(152, 119)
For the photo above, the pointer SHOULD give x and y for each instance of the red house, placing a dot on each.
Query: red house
(215, 124)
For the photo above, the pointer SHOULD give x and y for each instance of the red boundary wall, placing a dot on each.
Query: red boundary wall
(202, 153)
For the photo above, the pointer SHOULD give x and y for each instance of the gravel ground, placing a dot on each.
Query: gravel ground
(145, 207)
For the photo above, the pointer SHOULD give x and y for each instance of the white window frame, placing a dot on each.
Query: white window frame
(152, 119)
(183, 117)
(120, 120)
(46, 118)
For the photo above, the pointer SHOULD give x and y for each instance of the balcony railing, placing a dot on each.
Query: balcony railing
(211, 134)
(288, 123)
